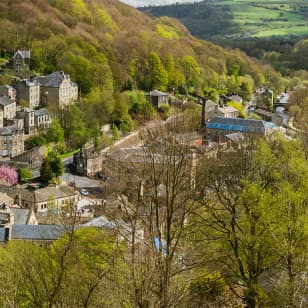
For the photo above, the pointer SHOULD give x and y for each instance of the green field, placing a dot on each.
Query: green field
(262, 18)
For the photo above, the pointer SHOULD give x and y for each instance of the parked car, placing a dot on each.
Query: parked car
(84, 192)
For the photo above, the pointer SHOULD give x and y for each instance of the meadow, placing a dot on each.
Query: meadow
(263, 18)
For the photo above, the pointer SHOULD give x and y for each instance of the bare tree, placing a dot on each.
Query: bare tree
(155, 186)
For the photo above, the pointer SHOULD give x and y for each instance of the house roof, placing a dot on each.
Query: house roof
(21, 216)
(210, 103)
(28, 110)
(40, 112)
(4, 101)
(39, 195)
(227, 109)
(25, 54)
(50, 192)
(236, 98)
(36, 232)
(9, 130)
(236, 137)
(53, 80)
(263, 112)
(6, 87)
(236, 124)
(88, 153)
(156, 93)
(100, 222)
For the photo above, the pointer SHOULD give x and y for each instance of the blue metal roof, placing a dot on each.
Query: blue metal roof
(237, 125)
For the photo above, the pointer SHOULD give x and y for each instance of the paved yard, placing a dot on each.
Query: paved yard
(80, 181)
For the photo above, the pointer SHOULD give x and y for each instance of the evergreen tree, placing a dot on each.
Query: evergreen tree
(46, 171)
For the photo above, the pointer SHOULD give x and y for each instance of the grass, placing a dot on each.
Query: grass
(68, 154)
(263, 18)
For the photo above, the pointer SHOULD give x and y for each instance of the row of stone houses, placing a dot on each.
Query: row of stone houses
(14, 123)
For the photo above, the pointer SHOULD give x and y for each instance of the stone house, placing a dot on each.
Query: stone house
(28, 93)
(8, 91)
(227, 112)
(157, 98)
(14, 215)
(57, 90)
(21, 60)
(8, 106)
(11, 141)
(42, 119)
(27, 115)
(88, 162)
(42, 199)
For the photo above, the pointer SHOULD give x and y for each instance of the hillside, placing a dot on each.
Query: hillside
(240, 18)
(109, 47)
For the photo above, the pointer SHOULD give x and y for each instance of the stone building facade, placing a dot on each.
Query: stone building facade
(28, 93)
(8, 106)
(11, 141)
(57, 90)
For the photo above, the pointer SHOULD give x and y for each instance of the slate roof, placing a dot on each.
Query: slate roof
(236, 137)
(24, 53)
(21, 216)
(156, 93)
(236, 124)
(4, 101)
(53, 80)
(227, 109)
(36, 232)
(9, 130)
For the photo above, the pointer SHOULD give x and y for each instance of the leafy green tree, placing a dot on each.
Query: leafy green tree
(158, 77)
(24, 174)
(56, 165)
(55, 133)
(75, 130)
(255, 212)
(191, 71)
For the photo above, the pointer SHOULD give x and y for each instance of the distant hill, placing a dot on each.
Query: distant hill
(239, 18)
